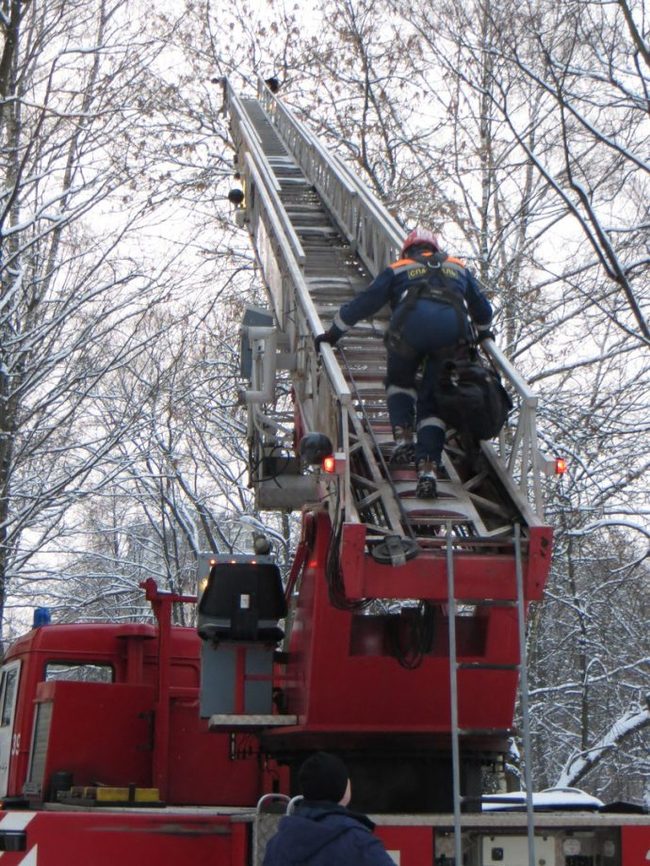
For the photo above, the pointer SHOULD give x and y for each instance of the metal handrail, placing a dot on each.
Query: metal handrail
(266, 178)
(283, 272)
(375, 236)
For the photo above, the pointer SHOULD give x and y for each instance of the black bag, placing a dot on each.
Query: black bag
(471, 398)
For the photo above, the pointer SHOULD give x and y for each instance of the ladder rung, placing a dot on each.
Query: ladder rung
(485, 732)
(486, 666)
(488, 602)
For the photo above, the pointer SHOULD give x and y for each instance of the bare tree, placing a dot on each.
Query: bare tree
(178, 483)
(583, 63)
(90, 247)
(578, 765)
(589, 654)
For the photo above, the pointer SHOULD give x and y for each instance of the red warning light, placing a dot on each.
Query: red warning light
(561, 466)
(329, 464)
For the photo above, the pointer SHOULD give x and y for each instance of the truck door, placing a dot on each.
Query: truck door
(8, 693)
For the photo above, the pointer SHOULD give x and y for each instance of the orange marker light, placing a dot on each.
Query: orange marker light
(561, 466)
(329, 464)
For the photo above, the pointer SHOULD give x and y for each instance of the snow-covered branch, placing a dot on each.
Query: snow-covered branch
(580, 764)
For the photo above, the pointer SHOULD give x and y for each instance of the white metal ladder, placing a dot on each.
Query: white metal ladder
(454, 667)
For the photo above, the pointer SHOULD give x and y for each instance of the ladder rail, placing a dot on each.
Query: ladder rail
(455, 666)
(288, 288)
(523, 693)
(275, 264)
(267, 179)
(367, 441)
(375, 236)
(453, 695)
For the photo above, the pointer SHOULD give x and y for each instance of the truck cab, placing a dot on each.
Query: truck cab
(96, 705)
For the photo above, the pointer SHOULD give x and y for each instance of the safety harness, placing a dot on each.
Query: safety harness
(424, 290)
(467, 393)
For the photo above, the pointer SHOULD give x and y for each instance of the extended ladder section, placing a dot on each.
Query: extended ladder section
(320, 236)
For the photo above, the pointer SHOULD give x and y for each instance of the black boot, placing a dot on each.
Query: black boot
(426, 487)
(404, 450)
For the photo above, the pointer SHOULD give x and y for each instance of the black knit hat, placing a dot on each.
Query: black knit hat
(323, 777)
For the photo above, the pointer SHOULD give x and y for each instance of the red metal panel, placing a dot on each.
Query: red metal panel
(99, 732)
(409, 846)
(339, 657)
(201, 766)
(540, 548)
(331, 685)
(478, 574)
(635, 846)
(102, 732)
(128, 839)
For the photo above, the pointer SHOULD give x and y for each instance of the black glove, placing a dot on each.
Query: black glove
(330, 337)
(484, 335)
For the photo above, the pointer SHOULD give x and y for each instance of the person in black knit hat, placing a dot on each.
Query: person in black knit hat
(323, 831)
(324, 777)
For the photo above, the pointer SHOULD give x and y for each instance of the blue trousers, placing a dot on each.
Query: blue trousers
(428, 329)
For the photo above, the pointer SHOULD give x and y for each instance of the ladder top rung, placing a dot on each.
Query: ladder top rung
(488, 602)
(486, 666)
(486, 732)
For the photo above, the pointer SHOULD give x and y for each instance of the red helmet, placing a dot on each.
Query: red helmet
(420, 236)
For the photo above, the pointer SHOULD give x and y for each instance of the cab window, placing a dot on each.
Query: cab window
(8, 696)
(79, 672)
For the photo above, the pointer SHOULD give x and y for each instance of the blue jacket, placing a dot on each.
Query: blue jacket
(391, 285)
(325, 834)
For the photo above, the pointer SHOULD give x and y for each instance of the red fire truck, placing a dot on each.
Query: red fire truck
(397, 639)
(105, 759)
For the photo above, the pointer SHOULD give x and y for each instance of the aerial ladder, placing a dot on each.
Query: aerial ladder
(405, 627)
